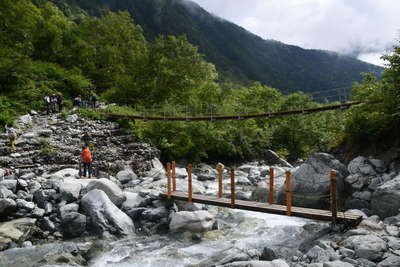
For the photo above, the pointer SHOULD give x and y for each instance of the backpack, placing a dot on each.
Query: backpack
(12, 133)
(86, 156)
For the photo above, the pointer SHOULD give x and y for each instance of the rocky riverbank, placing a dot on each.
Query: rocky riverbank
(50, 216)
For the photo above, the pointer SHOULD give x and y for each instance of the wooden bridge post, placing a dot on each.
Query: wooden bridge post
(220, 172)
(190, 189)
(271, 186)
(288, 194)
(173, 166)
(334, 196)
(233, 194)
(169, 180)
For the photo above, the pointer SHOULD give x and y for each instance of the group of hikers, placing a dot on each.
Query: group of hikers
(52, 102)
(78, 102)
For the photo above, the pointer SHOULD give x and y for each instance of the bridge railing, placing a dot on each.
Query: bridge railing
(171, 187)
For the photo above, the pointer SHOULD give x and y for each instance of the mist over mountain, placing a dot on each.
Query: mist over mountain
(239, 55)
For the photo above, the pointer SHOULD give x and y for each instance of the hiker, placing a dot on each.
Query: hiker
(93, 100)
(54, 103)
(86, 156)
(77, 101)
(47, 103)
(12, 137)
(60, 102)
(86, 139)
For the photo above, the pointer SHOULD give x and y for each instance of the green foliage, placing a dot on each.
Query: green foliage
(45, 148)
(90, 114)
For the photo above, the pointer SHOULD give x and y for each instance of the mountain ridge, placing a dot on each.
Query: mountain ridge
(238, 54)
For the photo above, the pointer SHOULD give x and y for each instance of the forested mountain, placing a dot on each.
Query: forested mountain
(238, 54)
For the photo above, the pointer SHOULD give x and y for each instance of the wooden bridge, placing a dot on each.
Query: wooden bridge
(268, 207)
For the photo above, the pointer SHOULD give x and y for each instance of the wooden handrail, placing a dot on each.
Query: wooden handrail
(271, 186)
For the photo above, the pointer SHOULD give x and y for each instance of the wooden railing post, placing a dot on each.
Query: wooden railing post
(288, 194)
(169, 180)
(220, 172)
(334, 196)
(271, 186)
(233, 194)
(173, 166)
(190, 189)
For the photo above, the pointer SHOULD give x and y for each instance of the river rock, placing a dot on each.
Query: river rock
(390, 261)
(115, 194)
(9, 184)
(73, 224)
(4, 192)
(205, 172)
(317, 254)
(104, 215)
(156, 214)
(274, 263)
(70, 190)
(7, 207)
(370, 247)
(192, 221)
(272, 158)
(125, 176)
(17, 230)
(72, 118)
(361, 165)
(312, 180)
(69, 172)
(24, 120)
(386, 199)
(337, 264)
(133, 200)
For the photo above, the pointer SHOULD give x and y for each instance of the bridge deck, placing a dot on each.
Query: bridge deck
(324, 215)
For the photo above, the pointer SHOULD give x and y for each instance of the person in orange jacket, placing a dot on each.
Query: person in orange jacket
(87, 159)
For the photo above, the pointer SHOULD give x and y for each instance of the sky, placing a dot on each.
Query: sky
(362, 28)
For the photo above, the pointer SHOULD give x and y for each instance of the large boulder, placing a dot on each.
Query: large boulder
(385, 200)
(17, 230)
(70, 190)
(115, 194)
(104, 215)
(125, 176)
(311, 182)
(370, 247)
(274, 263)
(133, 200)
(73, 224)
(192, 221)
(7, 206)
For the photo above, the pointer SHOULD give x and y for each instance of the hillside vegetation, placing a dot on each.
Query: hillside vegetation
(45, 49)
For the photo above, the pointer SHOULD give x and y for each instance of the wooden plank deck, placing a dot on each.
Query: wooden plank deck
(323, 215)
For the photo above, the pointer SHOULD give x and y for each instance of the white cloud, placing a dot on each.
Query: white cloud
(357, 27)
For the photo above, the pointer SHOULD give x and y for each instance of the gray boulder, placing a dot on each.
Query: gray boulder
(104, 215)
(273, 159)
(133, 200)
(73, 224)
(70, 190)
(192, 221)
(9, 184)
(125, 176)
(386, 199)
(274, 263)
(361, 165)
(312, 180)
(390, 261)
(7, 206)
(17, 230)
(24, 120)
(156, 214)
(72, 118)
(114, 193)
(4, 192)
(337, 264)
(369, 247)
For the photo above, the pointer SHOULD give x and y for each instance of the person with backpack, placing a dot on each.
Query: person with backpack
(93, 100)
(12, 137)
(47, 102)
(86, 156)
(60, 102)
(77, 101)
(53, 99)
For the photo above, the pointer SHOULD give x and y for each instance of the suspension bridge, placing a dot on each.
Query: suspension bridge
(270, 206)
(211, 114)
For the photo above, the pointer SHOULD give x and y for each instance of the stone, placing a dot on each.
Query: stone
(104, 215)
(126, 176)
(205, 172)
(64, 210)
(392, 230)
(23, 204)
(73, 224)
(385, 200)
(317, 254)
(361, 165)
(24, 120)
(369, 247)
(4, 192)
(192, 221)
(274, 263)
(72, 118)
(69, 172)
(9, 184)
(7, 207)
(70, 191)
(337, 264)
(37, 212)
(17, 230)
(349, 253)
(312, 179)
(268, 254)
(133, 200)
(156, 214)
(390, 261)
(272, 158)
(114, 193)
(34, 186)
(47, 224)
(364, 195)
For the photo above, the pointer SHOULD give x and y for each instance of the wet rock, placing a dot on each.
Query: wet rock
(125, 176)
(274, 263)
(72, 118)
(386, 199)
(104, 215)
(37, 212)
(268, 254)
(196, 221)
(73, 224)
(69, 172)
(337, 264)
(361, 165)
(369, 247)
(390, 261)
(133, 200)
(4, 192)
(64, 210)
(9, 184)
(17, 230)
(312, 179)
(156, 214)
(317, 254)
(114, 193)
(70, 190)
(7, 207)
(22, 204)
(47, 225)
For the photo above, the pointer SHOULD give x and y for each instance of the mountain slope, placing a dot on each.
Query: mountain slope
(238, 54)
